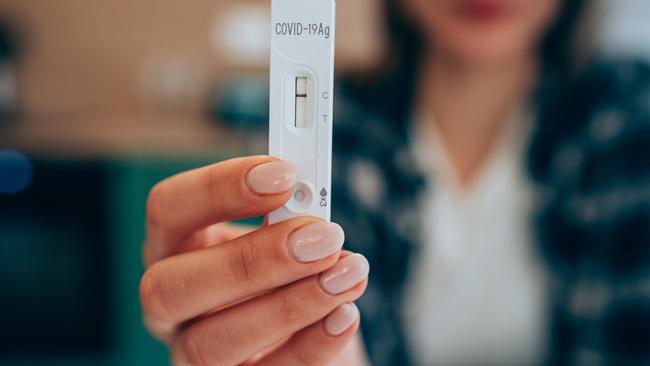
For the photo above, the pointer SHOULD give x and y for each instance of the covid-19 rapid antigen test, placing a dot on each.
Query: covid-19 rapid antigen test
(301, 94)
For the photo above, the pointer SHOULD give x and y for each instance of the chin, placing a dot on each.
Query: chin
(486, 48)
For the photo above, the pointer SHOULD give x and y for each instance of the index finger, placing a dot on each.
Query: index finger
(230, 190)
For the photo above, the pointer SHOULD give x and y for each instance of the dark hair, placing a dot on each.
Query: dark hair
(563, 50)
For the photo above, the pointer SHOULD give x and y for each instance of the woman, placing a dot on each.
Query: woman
(496, 180)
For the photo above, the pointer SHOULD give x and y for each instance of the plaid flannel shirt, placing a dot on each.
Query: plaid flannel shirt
(589, 161)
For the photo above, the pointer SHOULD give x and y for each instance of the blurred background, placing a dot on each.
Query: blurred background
(101, 99)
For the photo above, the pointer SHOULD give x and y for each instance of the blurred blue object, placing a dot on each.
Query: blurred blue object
(16, 172)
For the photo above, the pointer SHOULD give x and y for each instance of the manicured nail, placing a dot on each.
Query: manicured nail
(272, 178)
(341, 319)
(316, 241)
(345, 274)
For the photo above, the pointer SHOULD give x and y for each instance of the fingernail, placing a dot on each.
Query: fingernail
(272, 178)
(345, 274)
(316, 241)
(341, 319)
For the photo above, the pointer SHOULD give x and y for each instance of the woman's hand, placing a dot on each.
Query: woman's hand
(221, 295)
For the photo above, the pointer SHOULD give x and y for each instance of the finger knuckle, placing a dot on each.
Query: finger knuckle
(213, 183)
(245, 262)
(305, 300)
(302, 300)
(156, 293)
(193, 352)
(289, 307)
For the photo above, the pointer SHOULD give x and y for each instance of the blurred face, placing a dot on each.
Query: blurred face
(483, 31)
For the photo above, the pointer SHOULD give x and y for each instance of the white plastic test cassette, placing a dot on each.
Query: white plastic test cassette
(302, 70)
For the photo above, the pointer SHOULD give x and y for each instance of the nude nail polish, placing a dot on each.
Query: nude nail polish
(272, 178)
(316, 241)
(341, 319)
(345, 274)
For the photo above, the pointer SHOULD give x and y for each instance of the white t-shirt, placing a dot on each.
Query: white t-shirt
(477, 291)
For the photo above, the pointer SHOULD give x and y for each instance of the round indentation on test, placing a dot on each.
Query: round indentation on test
(299, 196)
(302, 198)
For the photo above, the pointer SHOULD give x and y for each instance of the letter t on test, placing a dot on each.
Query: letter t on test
(302, 82)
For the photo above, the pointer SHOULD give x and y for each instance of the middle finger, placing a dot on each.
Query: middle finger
(182, 287)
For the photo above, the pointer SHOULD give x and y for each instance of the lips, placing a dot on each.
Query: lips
(483, 11)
